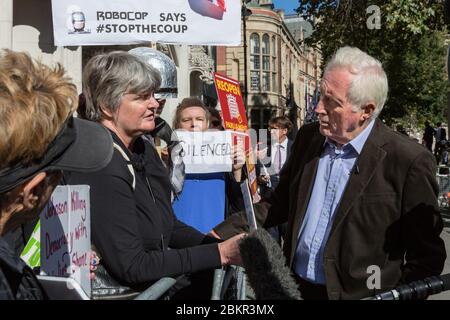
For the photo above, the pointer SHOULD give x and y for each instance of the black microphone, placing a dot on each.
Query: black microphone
(266, 269)
(416, 290)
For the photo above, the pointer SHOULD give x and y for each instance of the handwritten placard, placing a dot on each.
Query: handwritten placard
(206, 152)
(66, 235)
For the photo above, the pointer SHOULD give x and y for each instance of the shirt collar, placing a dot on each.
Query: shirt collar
(283, 144)
(358, 142)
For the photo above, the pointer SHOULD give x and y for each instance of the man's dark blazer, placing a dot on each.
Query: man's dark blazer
(388, 214)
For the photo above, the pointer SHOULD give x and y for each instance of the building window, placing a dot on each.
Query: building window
(263, 66)
(255, 62)
(274, 81)
(266, 44)
(274, 65)
(266, 81)
(266, 62)
(254, 44)
(254, 78)
(260, 117)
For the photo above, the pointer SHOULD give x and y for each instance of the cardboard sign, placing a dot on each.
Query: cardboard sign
(66, 235)
(110, 22)
(206, 152)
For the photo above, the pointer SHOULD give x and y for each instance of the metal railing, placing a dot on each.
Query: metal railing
(229, 284)
(443, 180)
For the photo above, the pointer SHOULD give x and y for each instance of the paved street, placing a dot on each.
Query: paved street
(446, 236)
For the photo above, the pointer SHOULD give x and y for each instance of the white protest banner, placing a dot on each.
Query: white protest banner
(206, 152)
(66, 235)
(110, 22)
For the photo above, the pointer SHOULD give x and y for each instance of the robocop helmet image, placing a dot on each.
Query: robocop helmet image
(78, 21)
(164, 65)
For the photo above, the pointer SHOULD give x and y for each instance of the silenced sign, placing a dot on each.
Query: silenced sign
(65, 235)
(206, 152)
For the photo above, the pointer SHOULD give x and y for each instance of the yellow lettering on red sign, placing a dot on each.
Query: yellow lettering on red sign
(235, 126)
(228, 87)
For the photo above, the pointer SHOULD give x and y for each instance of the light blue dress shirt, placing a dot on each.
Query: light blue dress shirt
(333, 172)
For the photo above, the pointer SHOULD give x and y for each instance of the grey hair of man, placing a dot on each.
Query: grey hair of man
(369, 81)
(107, 77)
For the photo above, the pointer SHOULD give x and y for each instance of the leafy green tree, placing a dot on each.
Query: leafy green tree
(409, 40)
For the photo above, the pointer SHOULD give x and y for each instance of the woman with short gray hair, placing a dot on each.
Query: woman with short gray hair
(133, 224)
(107, 76)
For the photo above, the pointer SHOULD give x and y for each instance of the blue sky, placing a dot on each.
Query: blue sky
(288, 5)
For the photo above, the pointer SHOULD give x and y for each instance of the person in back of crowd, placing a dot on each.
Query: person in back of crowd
(428, 135)
(207, 198)
(445, 151)
(441, 141)
(271, 162)
(134, 229)
(35, 96)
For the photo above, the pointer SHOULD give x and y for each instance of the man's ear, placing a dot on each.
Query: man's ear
(368, 111)
(28, 192)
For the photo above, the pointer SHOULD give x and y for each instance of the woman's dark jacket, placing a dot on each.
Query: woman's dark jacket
(135, 230)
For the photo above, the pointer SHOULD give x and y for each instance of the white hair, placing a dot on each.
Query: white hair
(369, 81)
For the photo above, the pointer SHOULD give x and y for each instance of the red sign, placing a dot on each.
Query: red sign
(230, 98)
(234, 118)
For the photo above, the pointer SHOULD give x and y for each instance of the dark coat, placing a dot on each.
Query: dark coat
(388, 214)
(17, 280)
(135, 230)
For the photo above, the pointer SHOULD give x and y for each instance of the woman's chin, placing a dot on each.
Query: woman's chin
(148, 125)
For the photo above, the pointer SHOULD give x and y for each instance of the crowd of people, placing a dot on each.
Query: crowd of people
(346, 194)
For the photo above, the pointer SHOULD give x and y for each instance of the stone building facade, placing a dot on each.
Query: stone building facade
(278, 73)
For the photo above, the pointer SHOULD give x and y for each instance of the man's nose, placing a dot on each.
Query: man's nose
(320, 107)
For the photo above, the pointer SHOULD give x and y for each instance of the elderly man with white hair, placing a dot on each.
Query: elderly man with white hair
(360, 199)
